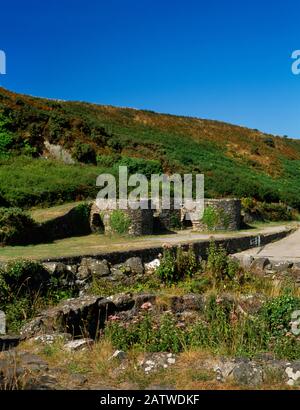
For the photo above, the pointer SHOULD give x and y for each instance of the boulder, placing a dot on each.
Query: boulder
(247, 373)
(259, 264)
(140, 299)
(188, 302)
(49, 339)
(281, 266)
(65, 274)
(93, 268)
(250, 304)
(17, 369)
(135, 265)
(117, 275)
(83, 315)
(244, 260)
(157, 361)
(118, 354)
(78, 344)
(152, 266)
(122, 301)
(293, 373)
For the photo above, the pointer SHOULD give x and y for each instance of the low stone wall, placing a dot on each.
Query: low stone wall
(232, 245)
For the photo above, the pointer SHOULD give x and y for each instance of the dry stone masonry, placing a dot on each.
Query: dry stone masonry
(219, 214)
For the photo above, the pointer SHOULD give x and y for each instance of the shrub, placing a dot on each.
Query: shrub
(26, 287)
(108, 160)
(84, 153)
(275, 212)
(147, 335)
(115, 144)
(6, 136)
(119, 222)
(75, 223)
(223, 269)
(266, 211)
(276, 313)
(141, 166)
(217, 261)
(175, 222)
(175, 267)
(269, 142)
(213, 218)
(167, 271)
(24, 277)
(17, 227)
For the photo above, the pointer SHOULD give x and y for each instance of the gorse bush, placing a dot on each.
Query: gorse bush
(108, 160)
(6, 136)
(140, 166)
(75, 223)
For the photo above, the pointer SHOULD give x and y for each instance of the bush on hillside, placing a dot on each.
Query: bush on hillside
(141, 166)
(108, 160)
(84, 153)
(17, 227)
(263, 211)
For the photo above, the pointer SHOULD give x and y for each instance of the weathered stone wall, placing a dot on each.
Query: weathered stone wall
(232, 245)
(166, 219)
(219, 215)
(141, 220)
(226, 216)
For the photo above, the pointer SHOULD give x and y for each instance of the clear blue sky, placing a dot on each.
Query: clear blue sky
(227, 60)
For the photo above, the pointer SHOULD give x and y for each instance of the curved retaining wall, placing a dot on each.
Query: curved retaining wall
(221, 214)
(141, 220)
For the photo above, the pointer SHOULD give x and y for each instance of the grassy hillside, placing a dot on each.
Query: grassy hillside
(236, 161)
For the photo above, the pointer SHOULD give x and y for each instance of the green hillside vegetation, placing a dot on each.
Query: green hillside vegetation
(236, 161)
